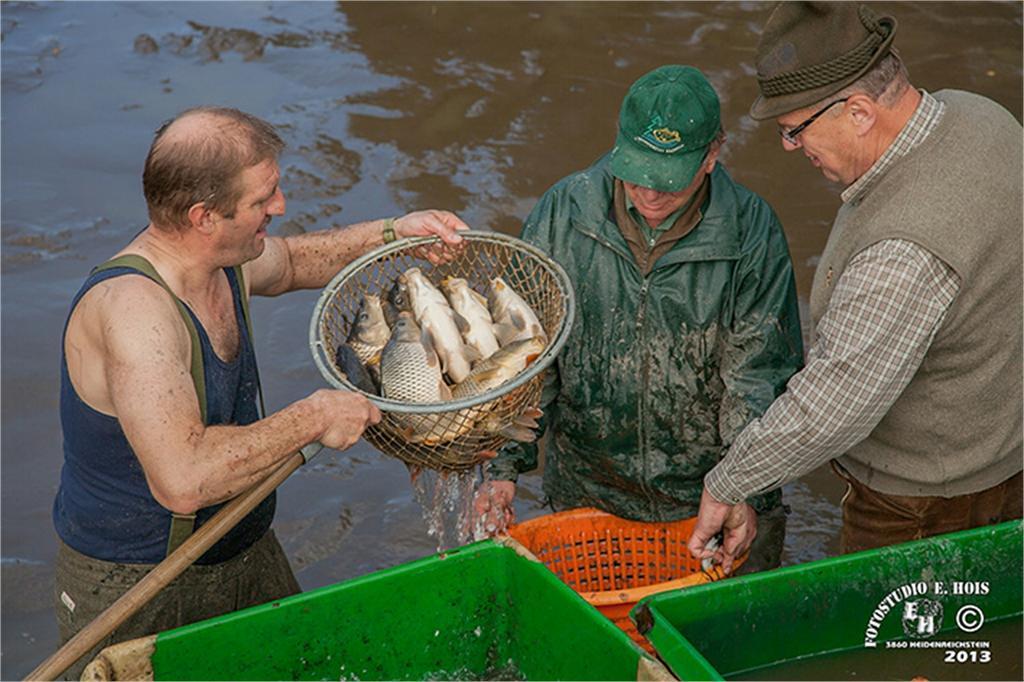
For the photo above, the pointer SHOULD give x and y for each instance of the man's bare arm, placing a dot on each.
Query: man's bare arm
(189, 465)
(309, 261)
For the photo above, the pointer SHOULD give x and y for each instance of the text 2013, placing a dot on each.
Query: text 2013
(961, 656)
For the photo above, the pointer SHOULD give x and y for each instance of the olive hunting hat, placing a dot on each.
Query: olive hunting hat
(667, 120)
(810, 50)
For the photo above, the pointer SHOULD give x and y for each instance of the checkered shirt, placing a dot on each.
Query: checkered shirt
(921, 124)
(886, 308)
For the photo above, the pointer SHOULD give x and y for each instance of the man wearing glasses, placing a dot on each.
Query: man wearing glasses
(687, 324)
(913, 387)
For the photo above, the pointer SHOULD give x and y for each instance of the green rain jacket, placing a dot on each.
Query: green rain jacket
(660, 373)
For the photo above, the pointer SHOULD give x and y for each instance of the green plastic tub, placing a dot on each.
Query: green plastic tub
(947, 607)
(486, 611)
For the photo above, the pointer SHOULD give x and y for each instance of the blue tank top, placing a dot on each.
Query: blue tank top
(104, 508)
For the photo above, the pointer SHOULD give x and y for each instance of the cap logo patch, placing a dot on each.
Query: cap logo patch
(660, 138)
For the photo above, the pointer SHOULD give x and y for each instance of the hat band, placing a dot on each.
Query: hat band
(819, 75)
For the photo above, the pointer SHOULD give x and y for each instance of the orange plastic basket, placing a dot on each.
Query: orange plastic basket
(613, 563)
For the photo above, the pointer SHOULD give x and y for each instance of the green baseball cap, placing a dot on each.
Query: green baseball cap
(667, 120)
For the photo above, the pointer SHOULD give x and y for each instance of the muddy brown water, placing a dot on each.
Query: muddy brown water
(386, 108)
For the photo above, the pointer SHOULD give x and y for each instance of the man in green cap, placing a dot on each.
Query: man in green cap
(687, 325)
(913, 387)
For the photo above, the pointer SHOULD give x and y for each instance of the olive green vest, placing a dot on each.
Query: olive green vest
(956, 429)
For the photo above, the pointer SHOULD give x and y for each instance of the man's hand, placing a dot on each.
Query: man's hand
(740, 531)
(346, 415)
(444, 224)
(492, 508)
(737, 522)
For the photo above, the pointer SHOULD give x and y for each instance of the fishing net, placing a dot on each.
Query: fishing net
(477, 420)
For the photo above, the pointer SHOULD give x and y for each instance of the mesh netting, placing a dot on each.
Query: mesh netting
(456, 432)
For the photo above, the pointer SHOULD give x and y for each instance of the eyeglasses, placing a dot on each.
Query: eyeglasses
(790, 135)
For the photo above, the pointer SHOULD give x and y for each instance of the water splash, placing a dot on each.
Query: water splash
(446, 499)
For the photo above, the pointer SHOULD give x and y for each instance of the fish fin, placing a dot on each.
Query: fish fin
(375, 379)
(518, 433)
(479, 298)
(531, 357)
(461, 323)
(533, 413)
(503, 330)
(409, 434)
(518, 321)
(486, 375)
(428, 345)
(526, 422)
(471, 354)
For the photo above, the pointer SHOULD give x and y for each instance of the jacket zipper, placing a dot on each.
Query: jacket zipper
(641, 411)
(644, 371)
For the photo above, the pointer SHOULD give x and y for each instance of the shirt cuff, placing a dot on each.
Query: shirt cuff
(722, 487)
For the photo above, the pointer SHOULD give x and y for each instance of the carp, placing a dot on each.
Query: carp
(436, 318)
(503, 366)
(410, 371)
(472, 306)
(488, 374)
(397, 301)
(514, 319)
(347, 361)
(369, 334)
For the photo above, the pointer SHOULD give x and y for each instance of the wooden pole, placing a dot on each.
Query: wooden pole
(163, 573)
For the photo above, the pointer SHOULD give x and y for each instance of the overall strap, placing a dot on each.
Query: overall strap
(182, 525)
(142, 265)
(240, 278)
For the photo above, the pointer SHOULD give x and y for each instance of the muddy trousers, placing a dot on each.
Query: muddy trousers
(85, 587)
(873, 519)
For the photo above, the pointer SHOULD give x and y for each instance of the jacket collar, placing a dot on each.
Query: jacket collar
(717, 237)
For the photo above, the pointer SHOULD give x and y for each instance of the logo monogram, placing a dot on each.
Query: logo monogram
(660, 137)
(921, 618)
(666, 136)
